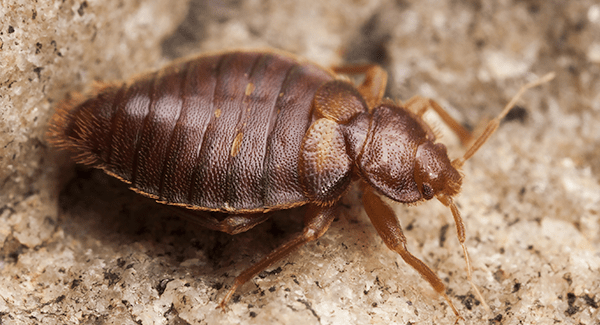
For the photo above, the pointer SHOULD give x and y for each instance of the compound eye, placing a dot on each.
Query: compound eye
(427, 192)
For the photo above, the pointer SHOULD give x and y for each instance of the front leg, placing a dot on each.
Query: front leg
(384, 220)
(419, 105)
(316, 222)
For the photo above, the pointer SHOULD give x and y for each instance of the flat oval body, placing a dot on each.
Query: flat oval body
(219, 132)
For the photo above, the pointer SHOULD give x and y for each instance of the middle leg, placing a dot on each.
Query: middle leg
(373, 86)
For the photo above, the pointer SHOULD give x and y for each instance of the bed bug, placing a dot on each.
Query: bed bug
(248, 132)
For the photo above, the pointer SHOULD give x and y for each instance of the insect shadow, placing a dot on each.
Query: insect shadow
(97, 207)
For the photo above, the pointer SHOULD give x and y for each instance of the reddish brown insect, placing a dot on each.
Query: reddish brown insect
(246, 133)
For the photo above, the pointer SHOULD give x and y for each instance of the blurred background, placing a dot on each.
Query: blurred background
(77, 247)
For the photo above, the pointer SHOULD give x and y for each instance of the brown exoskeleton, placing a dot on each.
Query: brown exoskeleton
(249, 132)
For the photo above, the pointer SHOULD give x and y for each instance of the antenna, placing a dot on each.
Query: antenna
(493, 124)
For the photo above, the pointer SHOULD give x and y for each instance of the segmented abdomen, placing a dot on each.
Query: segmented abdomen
(219, 132)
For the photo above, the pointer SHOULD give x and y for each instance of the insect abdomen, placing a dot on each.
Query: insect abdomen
(219, 132)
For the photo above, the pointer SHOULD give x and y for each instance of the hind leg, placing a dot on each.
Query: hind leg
(316, 222)
(231, 224)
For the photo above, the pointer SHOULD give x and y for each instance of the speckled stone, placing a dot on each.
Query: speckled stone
(78, 247)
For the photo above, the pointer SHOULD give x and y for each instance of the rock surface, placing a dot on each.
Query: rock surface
(78, 247)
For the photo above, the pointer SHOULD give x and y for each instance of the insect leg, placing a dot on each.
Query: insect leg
(231, 224)
(373, 86)
(493, 124)
(419, 105)
(384, 220)
(316, 222)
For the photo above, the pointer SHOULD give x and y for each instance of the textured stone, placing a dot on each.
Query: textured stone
(79, 247)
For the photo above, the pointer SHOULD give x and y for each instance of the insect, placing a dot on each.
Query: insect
(249, 132)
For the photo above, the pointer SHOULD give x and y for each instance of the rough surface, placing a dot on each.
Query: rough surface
(78, 247)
